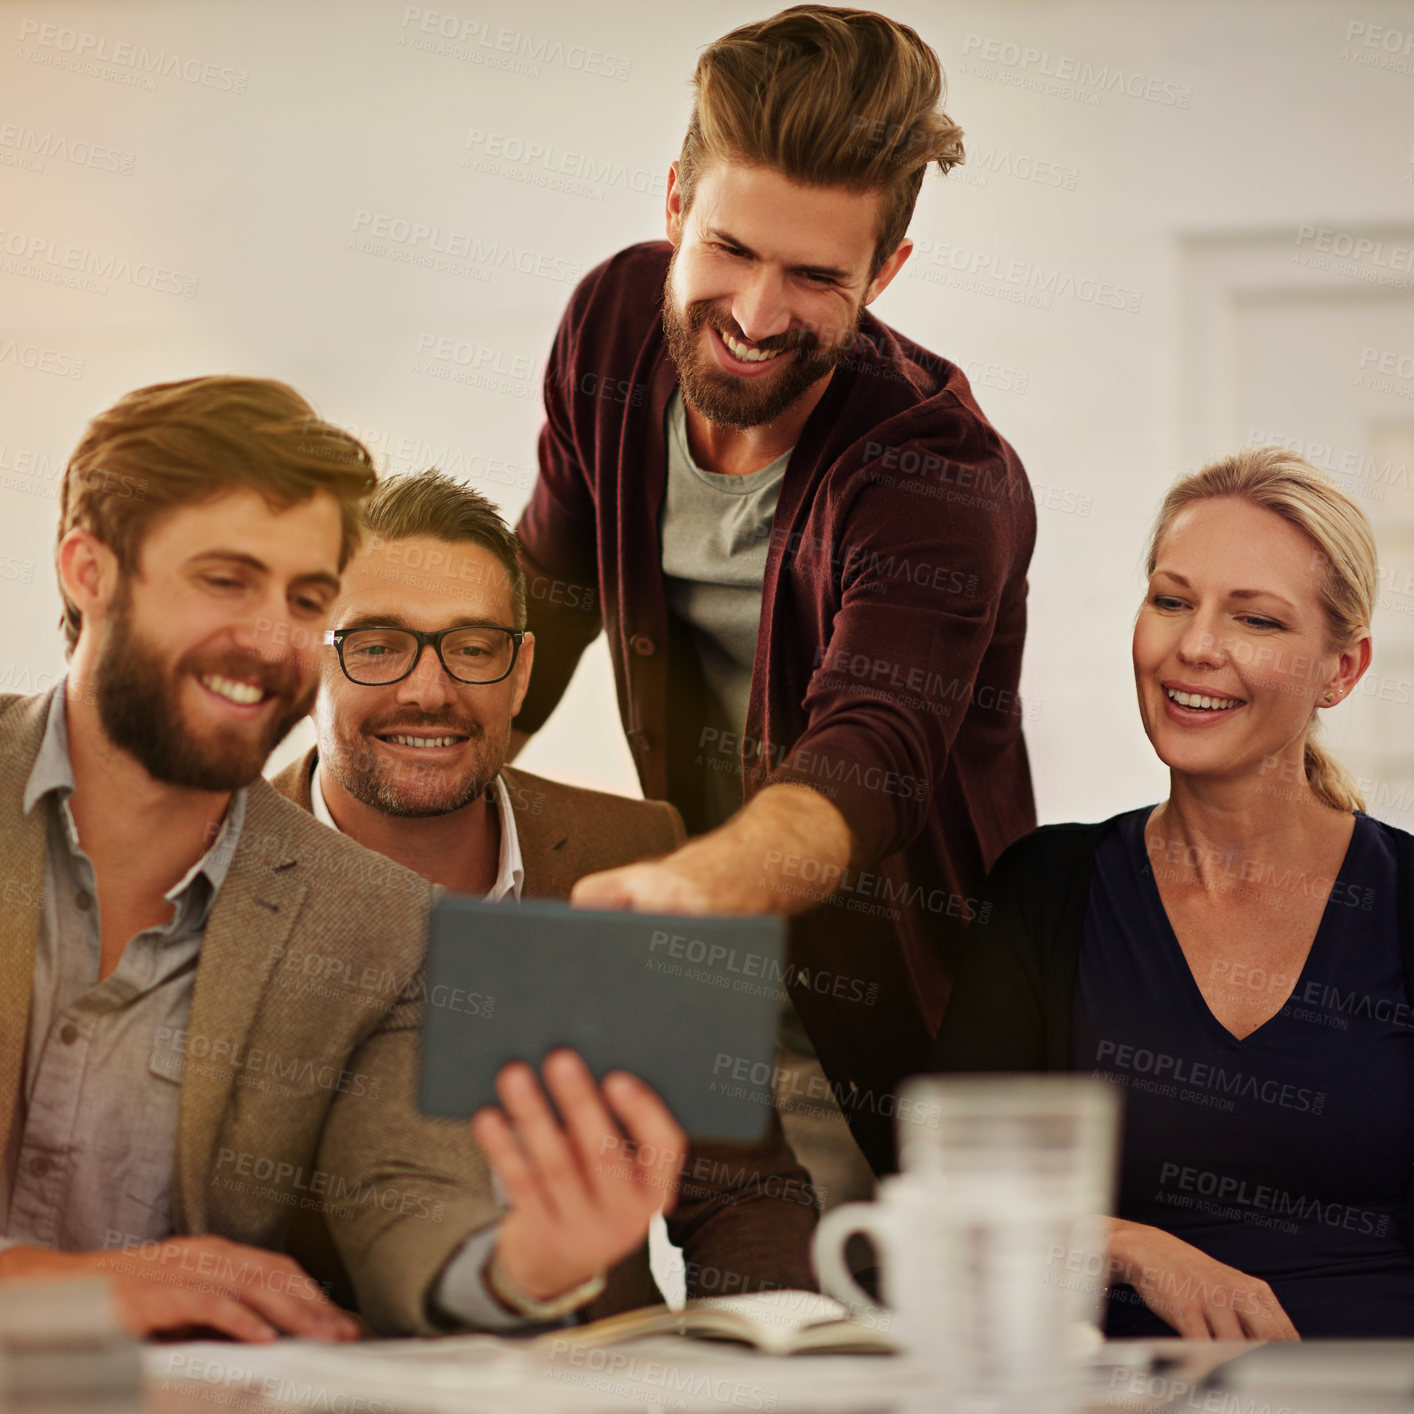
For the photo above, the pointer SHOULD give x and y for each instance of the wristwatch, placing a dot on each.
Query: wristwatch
(514, 1297)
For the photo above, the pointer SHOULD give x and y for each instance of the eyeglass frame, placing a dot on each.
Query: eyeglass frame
(334, 638)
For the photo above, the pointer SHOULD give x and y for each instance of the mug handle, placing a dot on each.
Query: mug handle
(836, 1279)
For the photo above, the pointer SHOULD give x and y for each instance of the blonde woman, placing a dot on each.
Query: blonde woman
(1238, 957)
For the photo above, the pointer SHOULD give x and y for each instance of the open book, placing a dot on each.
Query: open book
(775, 1322)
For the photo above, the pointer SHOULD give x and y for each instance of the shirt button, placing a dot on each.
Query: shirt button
(643, 645)
(40, 1166)
(69, 1034)
(84, 899)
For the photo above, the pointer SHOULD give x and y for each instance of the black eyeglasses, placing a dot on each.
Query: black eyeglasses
(382, 654)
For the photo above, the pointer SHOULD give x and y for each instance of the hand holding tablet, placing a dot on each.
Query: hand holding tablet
(581, 1192)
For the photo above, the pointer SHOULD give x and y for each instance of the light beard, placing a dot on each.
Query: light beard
(384, 785)
(725, 398)
(140, 709)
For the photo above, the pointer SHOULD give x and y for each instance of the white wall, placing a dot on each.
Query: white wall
(1228, 118)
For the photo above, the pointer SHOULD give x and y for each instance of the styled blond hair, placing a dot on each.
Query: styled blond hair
(827, 97)
(1289, 486)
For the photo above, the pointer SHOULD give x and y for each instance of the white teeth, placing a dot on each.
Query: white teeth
(1193, 699)
(246, 693)
(424, 740)
(748, 355)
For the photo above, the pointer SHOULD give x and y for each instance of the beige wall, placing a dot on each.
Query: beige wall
(1115, 146)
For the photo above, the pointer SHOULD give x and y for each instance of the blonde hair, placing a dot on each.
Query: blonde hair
(1289, 486)
(827, 97)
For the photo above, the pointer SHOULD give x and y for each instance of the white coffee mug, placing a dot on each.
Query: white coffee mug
(906, 1226)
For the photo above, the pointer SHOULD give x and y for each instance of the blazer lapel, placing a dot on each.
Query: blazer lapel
(22, 843)
(544, 842)
(244, 943)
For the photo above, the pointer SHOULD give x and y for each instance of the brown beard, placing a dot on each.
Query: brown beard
(138, 704)
(722, 397)
(379, 784)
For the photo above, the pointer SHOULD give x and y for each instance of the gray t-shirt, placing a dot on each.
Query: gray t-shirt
(715, 531)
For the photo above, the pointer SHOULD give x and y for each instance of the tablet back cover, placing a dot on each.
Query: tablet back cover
(690, 1005)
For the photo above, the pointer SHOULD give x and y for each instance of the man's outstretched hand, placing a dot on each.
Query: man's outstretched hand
(786, 851)
(581, 1193)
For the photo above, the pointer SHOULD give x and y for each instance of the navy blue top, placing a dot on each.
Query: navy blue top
(1288, 1154)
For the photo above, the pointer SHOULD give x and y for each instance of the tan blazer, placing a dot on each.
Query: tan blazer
(744, 1216)
(312, 958)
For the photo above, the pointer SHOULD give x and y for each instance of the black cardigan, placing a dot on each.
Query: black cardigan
(1012, 1003)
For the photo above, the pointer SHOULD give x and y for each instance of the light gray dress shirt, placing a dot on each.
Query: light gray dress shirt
(91, 1154)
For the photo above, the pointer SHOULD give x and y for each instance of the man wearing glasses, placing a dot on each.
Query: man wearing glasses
(428, 663)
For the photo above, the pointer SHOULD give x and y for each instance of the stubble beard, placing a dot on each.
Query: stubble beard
(724, 398)
(403, 790)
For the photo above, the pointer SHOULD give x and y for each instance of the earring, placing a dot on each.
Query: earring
(1330, 697)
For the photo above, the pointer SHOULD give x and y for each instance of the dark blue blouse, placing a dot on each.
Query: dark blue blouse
(1289, 1154)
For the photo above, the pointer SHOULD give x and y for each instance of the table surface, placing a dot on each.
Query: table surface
(468, 1375)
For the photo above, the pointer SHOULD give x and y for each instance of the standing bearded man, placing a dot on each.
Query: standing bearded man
(808, 548)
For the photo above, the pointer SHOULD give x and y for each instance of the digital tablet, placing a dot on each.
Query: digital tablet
(689, 1005)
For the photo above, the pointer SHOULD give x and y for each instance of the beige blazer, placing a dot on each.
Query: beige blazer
(298, 1087)
(746, 1219)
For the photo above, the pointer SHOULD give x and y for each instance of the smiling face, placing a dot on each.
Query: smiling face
(767, 283)
(429, 744)
(204, 657)
(1231, 650)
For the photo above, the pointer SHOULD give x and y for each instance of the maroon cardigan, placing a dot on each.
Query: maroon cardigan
(892, 618)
